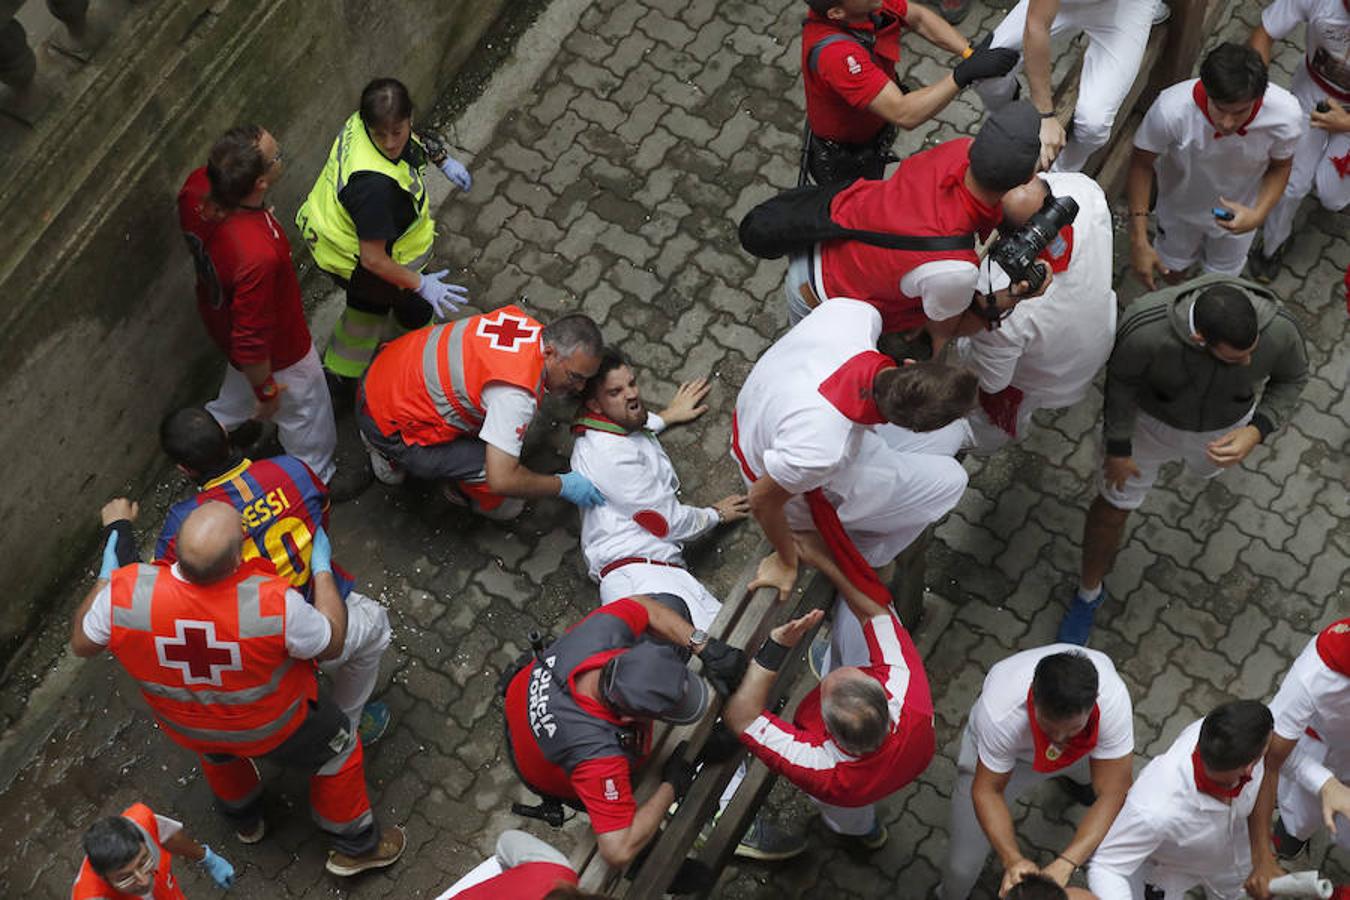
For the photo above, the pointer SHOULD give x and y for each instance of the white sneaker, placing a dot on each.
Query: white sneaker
(1161, 12)
(385, 469)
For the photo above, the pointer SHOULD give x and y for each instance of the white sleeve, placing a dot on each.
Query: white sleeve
(945, 286)
(631, 489)
(167, 827)
(1282, 17)
(1116, 735)
(1294, 705)
(1133, 837)
(97, 622)
(994, 745)
(1288, 136)
(1307, 764)
(1153, 134)
(655, 424)
(307, 630)
(508, 411)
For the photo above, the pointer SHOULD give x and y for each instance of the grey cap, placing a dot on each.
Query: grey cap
(652, 681)
(1007, 148)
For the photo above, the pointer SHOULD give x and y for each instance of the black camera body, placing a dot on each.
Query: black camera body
(1016, 253)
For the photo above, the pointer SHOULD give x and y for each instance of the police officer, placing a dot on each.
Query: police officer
(223, 652)
(368, 223)
(579, 716)
(462, 420)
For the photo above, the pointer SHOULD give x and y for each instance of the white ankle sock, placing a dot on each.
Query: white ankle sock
(1089, 596)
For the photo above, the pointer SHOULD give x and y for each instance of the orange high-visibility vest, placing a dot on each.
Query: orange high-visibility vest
(89, 885)
(211, 660)
(428, 385)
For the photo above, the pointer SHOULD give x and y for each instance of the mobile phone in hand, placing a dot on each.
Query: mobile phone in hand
(1222, 213)
(1323, 106)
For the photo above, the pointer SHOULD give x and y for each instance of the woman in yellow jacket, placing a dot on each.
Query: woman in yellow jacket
(368, 225)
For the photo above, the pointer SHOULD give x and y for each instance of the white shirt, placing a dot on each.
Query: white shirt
(1195, 169)
(1052, 346)
(507, 413)
(642, 515)
(307, 630)
(1327, 37)
(1314, 696)
(1000, 723)
(787, 430)
(1186, 837)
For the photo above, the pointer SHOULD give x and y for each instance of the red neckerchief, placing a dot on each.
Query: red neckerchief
(846, 553)
(587, 420)
(1053, 757)
(986, 217)
(1333, 645)
(1002, 408)
(1206, 785)
(1202, 101)
(849, 388)
(1342, 164)
(1059, 252)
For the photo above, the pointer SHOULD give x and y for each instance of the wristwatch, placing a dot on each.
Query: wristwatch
(697, 639)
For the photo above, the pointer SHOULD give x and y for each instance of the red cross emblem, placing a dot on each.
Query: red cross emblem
(508, 332)
(196, 653)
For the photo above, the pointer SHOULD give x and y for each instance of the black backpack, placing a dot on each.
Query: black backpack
(799, 218)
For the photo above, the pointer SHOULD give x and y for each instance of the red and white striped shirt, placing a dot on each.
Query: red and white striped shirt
(805, 754)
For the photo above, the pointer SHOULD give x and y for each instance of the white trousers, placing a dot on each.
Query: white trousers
(1181, 245)
(304, 415)
(1312, 167)
(644, 578)
(899, 483)
(967, 844)
(1300, 808)
(1117, 32)
(354, 673)
(1174, 884)
(1155, 443)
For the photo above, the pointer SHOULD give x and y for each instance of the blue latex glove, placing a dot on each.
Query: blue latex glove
(109, 563)
(455, 171)
(577, 488)
(444, 298)
(321, 553)
(217, 866)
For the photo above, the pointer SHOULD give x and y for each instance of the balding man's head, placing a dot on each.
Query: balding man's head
(209, 542)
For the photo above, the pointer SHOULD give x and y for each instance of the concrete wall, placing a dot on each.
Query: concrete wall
(99, 335)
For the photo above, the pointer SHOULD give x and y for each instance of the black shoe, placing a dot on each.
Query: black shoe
(342, 390)
(767, 842)
(350, 481)
(1263, 268)
(244, 436)
(1079, 793)
(1286, 845)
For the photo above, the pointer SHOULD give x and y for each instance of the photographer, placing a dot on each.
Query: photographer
(1045, 354)
(951, 190)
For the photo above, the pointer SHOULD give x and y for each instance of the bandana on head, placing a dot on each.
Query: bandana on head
(1206, 785)
(1333, 646)
(1202, 101)
(1052, 757)
(849, 389)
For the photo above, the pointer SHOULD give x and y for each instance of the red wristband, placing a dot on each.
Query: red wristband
(265, 391)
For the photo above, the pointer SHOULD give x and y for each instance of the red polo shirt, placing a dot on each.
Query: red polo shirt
(846, 77)
(925, 196)
(247, 292)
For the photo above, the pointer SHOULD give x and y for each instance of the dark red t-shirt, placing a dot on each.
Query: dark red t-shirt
(846, 77)
(527, 881)
(247, 292)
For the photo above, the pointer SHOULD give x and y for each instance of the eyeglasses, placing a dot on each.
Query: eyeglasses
(133, 879)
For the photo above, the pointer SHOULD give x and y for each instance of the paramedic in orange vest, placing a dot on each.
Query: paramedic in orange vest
(451, 403)
(224, 654)
(131, 855)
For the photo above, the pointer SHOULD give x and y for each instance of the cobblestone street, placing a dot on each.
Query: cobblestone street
(615, 189)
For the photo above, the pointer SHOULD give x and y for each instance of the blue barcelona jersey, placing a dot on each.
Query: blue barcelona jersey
(282, 503)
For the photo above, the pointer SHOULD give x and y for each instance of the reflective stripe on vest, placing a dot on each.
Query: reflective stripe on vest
(457, 408)
(325, 223)
(216, 674)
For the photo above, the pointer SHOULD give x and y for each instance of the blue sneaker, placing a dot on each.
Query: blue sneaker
(374, 721)
(1076, 626)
